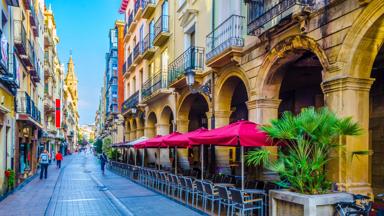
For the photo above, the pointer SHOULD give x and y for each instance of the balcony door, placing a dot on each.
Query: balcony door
(151, 33)
(165, 17)
(141, 37)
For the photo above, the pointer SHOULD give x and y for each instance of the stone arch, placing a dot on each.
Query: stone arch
(226, 88)
(187, 104)
(151, 122)
(363, 41)
(166, 120)
(287, 50)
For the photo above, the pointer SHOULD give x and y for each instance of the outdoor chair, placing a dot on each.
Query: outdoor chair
(211, 195)
(245, 205)
(183, 187)
(190, 189)
(225, 199)
(176, 185)
(200, 192)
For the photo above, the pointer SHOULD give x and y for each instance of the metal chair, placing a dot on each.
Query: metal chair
(190, 189)
(225, 199)
(245, 205)
(211, 195)
(200, 192)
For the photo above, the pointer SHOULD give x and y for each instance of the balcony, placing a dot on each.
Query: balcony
(130, 65)
(137, 52)
(48, 40)
(191, 60)
(33, 20)
(155, 87)
(148, 50)
(149, 7)
(226, 42)
(4, 57)
(14, 3)
(161, 30)
(131, 23)
(20, 37)
(49, 103)
(127, 35)
(138, 9)
(263, 17)
(130, 103)
(124, 69)
(26, 108)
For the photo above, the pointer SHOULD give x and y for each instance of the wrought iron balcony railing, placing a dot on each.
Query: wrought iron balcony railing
(154, 83)
(138, 5)
(25, 105)
(228, 34)
(263, 16)
(129, 61)
(148, 41)
(137, 50)
(131, 102)
(161, 25)
(20, 37)
(191, 59)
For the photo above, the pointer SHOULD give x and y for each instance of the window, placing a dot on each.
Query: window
(134, 84)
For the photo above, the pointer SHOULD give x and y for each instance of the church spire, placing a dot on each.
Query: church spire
(71, 80)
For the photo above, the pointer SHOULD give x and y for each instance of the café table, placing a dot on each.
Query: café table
(257, 192)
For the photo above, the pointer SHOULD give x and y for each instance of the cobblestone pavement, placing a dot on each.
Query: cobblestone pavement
(79, 188)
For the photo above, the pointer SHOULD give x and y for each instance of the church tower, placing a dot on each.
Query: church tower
(71, 81)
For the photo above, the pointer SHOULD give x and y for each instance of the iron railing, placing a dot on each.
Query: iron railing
(147, 2)
(260, 14)
(138, 5)
(20, 35)
(228, 34)
(191, 59)
(131, 102)
(26, 105)
(137, 50)
(148, 41)
(129, 61)
(162, 25)
(154, 83)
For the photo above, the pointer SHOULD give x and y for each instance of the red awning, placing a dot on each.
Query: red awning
(144, 143)
(158, 142)
(241, 133)
(182, 140)
(123, 6)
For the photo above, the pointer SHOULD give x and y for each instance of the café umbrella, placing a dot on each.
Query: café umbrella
(242, 134)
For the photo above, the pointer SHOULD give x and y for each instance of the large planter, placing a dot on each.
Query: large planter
(284, 203)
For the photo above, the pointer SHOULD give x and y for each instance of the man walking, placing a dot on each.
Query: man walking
(44, 161)
(59, 158)
(103, 161)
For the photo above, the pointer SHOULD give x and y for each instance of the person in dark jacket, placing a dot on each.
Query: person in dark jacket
(103, 161)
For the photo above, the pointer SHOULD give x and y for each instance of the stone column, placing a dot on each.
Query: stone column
(349, 97)
(149, 131)
(163, 129)
(262, 110)
(221, 118)
(182, 125)
(139, 132)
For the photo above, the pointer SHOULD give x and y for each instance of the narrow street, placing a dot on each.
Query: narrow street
(79, 188)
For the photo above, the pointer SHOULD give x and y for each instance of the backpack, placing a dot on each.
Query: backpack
(44, 158)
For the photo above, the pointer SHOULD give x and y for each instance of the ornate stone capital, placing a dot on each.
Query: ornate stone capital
(347, 83)
(267, 103)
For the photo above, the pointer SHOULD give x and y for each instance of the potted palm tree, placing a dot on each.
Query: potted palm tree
(306, 142)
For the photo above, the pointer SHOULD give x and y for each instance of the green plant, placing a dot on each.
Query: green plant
(306, 142)
(113, 154)
(98, 146)
(10, 174)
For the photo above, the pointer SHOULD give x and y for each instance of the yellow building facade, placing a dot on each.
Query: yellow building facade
(253, 61)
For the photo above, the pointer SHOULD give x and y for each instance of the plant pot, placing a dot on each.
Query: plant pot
(284, 202)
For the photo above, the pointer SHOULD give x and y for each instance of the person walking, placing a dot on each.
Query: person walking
(59, 158)
(103, 161)
(44, 161)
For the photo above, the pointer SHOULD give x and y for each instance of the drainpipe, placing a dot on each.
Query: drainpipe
(213, 122)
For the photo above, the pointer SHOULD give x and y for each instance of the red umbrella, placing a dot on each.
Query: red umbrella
(182, 140)
(158, 142)
(144, 143)
(241, 133)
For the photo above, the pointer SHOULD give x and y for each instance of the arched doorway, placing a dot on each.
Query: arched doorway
(150, 157)
(166, 121)
(134, 129)
(300, 83)
(376, 123)
(151, 125)
(192, 115)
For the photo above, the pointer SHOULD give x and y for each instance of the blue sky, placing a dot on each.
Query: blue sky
(82, 26)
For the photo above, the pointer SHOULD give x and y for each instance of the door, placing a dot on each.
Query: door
(165, 17)
(151, 33)
(141, 38)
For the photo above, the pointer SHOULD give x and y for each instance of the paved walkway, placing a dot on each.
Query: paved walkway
(79, 188)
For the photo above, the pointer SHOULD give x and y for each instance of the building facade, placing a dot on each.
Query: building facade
(70, 107)
(194, 63)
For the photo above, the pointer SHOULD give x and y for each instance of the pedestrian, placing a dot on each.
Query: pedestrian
(44, 161)
(103, 161)
(59, 158)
